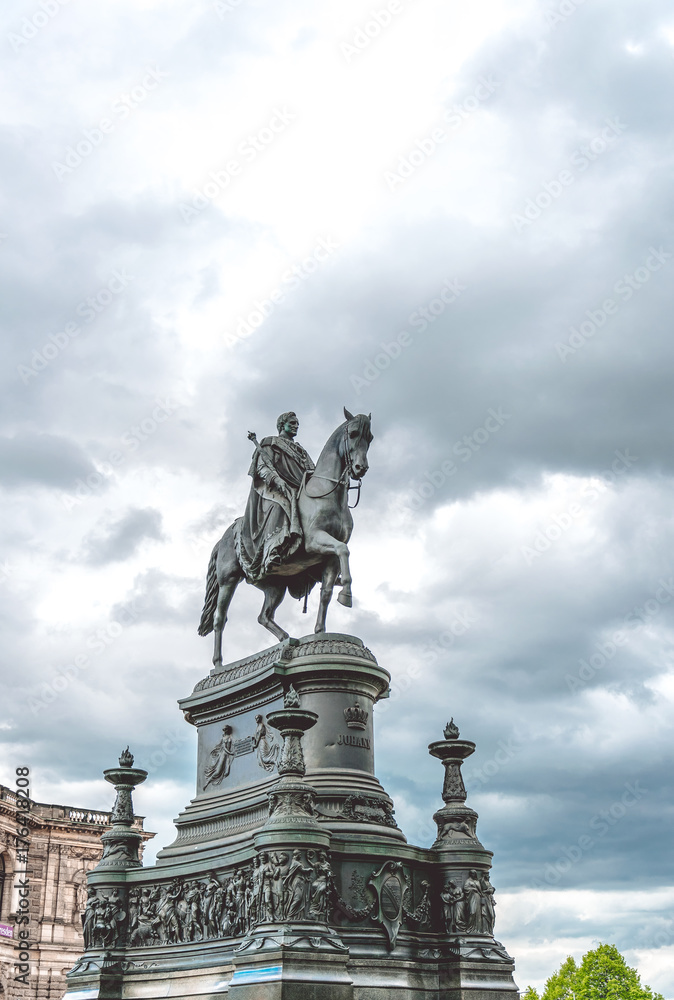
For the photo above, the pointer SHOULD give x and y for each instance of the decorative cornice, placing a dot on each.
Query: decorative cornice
(214, 828)
(285, 653)
(332, 647)
(241, 670)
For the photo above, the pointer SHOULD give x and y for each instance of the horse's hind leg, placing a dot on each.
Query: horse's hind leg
(225, 594)
(273, 595)
(330, 570)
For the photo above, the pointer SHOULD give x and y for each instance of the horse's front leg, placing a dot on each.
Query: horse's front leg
(330, 570)
(322, 543)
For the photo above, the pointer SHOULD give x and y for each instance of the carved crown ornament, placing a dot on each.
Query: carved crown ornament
(356, 717)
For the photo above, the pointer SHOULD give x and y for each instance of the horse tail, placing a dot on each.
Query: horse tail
(211, 599)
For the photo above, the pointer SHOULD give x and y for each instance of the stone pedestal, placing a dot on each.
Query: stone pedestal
(109, 897)
(289, 878)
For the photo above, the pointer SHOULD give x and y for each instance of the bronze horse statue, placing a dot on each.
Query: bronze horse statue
(326, 521)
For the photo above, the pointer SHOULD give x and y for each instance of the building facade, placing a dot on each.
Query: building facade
(64, 845)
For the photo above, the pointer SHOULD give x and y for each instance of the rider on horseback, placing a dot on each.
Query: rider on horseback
(270, 532)
(296, 526)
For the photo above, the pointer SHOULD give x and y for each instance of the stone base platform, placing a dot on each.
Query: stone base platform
(289, 878)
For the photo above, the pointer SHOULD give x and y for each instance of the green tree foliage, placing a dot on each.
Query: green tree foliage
(603, 974)
(562, 985)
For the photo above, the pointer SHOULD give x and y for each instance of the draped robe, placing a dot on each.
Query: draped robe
(269, 532)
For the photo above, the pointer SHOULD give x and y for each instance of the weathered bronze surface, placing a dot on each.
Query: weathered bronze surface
(295, 529)
(289, 878)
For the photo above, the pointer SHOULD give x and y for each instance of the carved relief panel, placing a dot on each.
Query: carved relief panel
(243, 749)
(468, 905)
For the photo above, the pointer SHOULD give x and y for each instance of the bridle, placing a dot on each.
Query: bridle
(346, 477)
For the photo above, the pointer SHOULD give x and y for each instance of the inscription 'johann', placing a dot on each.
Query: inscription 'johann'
(354, 741)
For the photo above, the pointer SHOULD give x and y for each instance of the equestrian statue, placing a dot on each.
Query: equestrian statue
(295, 528)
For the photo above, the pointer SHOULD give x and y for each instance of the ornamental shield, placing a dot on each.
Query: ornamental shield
(390, 885)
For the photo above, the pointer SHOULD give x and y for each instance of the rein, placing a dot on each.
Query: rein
(345, 479)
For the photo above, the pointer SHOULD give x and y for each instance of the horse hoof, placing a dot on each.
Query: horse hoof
(345, 599)
(319, 628)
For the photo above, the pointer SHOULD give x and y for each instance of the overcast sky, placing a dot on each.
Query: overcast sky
(463, 213)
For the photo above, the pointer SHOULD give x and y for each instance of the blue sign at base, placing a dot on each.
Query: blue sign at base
(243, 976)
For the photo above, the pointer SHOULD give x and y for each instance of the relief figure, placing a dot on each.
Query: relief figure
(267, 748)
(296, 885)
(473, 893)
(221, 759)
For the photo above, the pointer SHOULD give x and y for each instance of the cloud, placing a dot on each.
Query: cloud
(116, 540)
(48, 460)
(157, 596)
(506, 568)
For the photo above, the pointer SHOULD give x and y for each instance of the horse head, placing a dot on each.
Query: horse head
(357, 440)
